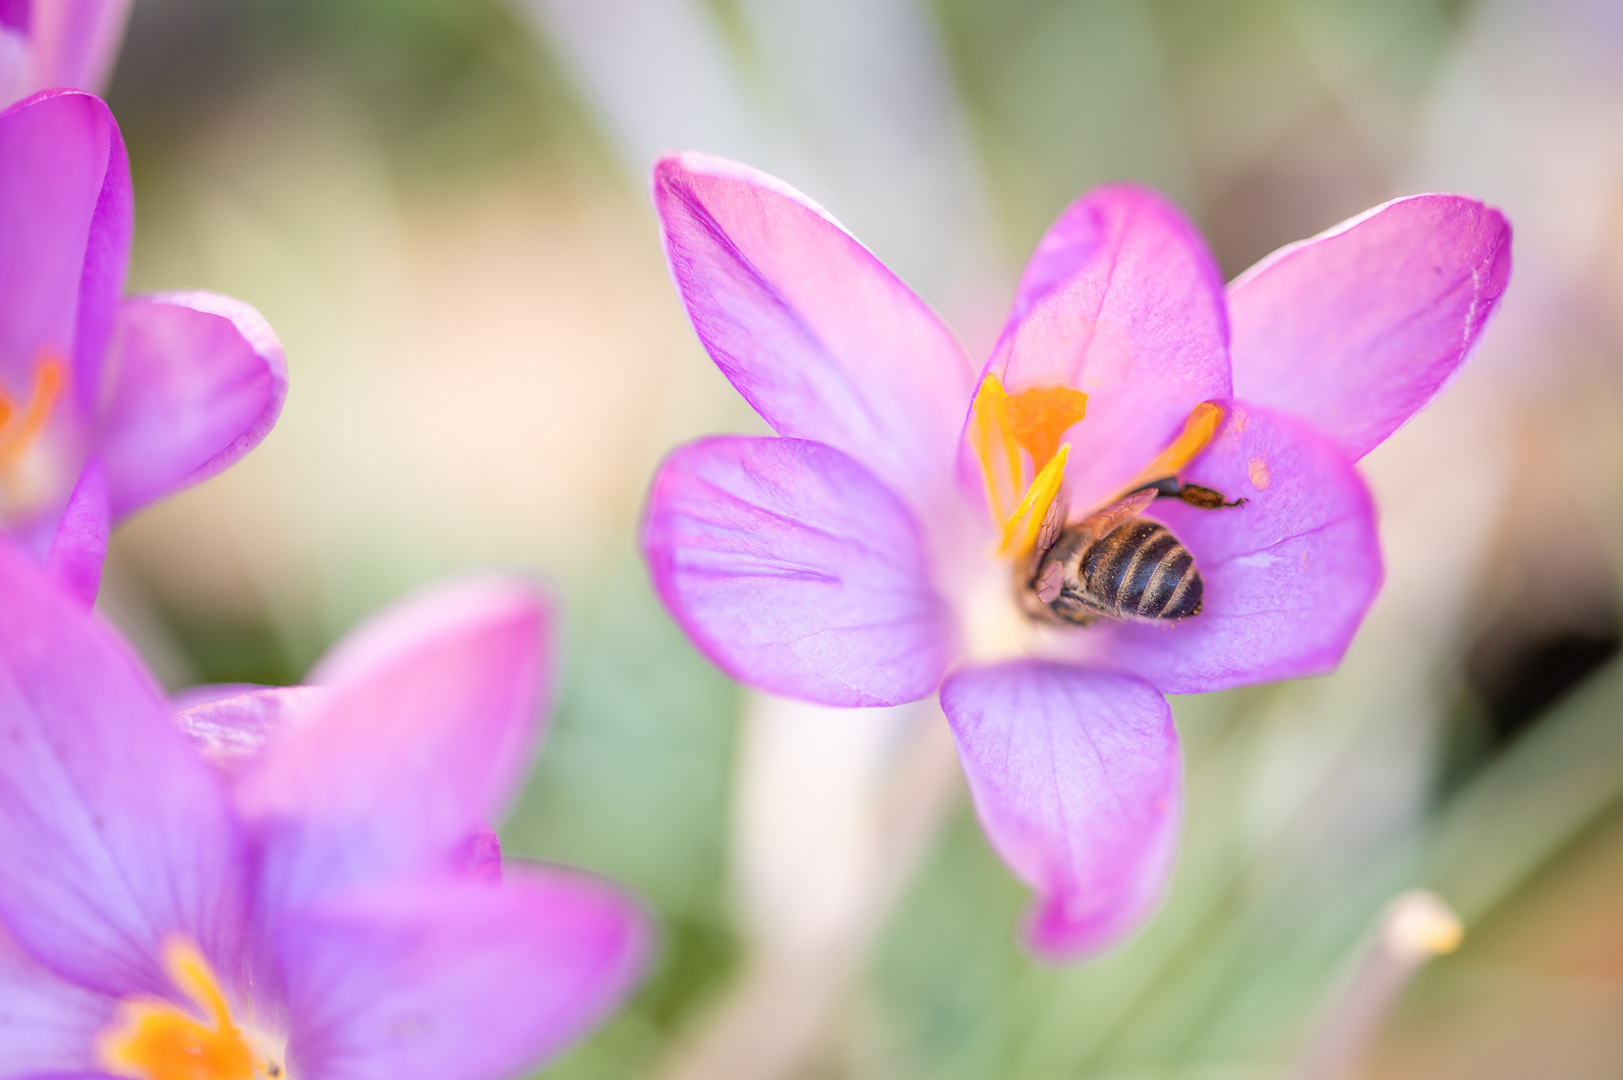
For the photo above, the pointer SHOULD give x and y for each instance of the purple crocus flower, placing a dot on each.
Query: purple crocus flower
(57, 44)
(890, 543)
(106, 404)
(313, 896)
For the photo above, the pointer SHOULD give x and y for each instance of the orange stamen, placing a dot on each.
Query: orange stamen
(160, 1041)
(1034, 421)
(1197, 433)
(16, 437)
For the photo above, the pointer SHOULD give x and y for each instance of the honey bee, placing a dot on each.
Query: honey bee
(1115, 564)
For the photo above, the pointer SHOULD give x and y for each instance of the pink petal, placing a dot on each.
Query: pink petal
(232, 731)
(79, 546)
(47, 1025)
(422, 740)
(1288, 576)
(115, 834)
(65, 218)
(470, 980)
(76, 41)
(205, 693)
(796, 571)
(815, 332)
(479, 856)
(200, 380)
(1358, 328)
(1123, 301)
(1077, 780)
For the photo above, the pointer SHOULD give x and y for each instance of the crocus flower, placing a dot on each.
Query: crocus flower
(886, 545)
(106, 404)
(311, 895)
(58, 44)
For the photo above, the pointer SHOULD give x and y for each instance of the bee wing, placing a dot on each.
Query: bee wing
(1053, 523)
(1118, 513)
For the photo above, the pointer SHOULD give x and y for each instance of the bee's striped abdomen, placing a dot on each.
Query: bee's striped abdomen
(1140, 570)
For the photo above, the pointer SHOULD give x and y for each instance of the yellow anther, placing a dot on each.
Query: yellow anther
(998, 452)
(1197, 433)
(1020, 530)
(17, 433)
(157, 1040)
(1033, 421)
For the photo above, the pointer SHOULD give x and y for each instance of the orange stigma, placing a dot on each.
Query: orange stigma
(1034, 421)
(18, 431)
(158, 1040)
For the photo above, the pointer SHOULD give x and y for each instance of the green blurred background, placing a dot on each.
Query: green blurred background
(439, 204)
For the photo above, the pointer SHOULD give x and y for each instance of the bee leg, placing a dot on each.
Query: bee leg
(1202, 497)
(1205, 498)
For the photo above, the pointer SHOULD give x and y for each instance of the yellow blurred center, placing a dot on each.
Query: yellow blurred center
(21, 424)
(157, 1040)
(1017, 439)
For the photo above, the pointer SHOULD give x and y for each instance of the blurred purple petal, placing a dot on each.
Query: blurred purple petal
(1123, 301)
(80, 545)
(797, 571)
(822, 339)
(76, 41)
(469, 980)
(1288, 576)
(1358, 328)
(47, 1025)
(422, 741)
(231, 731)
(65, 222)
(115, 834)
(199, 380)
(479, 856)
(1077, 780)
(203, 693)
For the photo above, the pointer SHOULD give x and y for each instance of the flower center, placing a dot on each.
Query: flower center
(1020, 488)
(1017, 439)
(158, 1040)
(20, 428)
(33, 471)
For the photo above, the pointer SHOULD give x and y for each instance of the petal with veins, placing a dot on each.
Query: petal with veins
(115, 834)
(797, 571)
(1288, 576)
(1122, 301)
(1356, 329)
(822, 339)
(462, 979)
(1077, 780)
(422, 739)
(47, 1025)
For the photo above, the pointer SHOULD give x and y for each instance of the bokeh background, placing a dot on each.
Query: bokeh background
(440, 205)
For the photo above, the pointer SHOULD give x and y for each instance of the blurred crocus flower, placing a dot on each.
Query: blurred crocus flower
(106, 404)
(58, 44)
(312, 895)
(892, 543)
